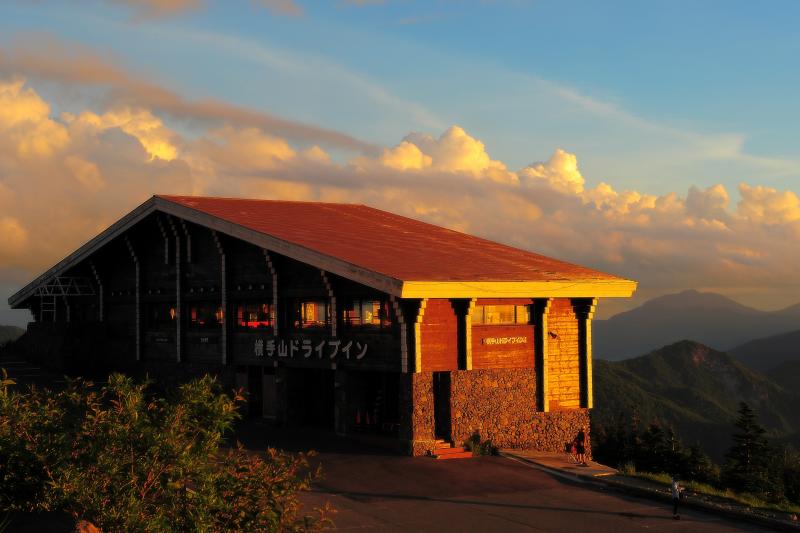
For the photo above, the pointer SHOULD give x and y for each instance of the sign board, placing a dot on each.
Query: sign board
(307, 349)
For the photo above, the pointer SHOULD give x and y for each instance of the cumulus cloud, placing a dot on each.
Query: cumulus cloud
(560, 172)
(455, 151)
(93, 165)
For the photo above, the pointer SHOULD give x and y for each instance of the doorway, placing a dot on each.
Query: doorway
(441, 405)
(255, 391)
(311, 398)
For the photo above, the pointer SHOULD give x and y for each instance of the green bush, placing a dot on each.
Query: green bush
(479, 447)
(127, 460)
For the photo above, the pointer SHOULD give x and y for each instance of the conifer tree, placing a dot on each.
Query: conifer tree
(747, 462)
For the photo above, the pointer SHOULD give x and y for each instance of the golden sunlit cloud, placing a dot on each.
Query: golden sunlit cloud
(92, 166)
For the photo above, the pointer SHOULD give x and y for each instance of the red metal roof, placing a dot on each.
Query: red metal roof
(395, 246)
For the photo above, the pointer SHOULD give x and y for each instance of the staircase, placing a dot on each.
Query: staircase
(446, 450)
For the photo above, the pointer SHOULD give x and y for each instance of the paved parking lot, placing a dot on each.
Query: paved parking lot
(377, 491)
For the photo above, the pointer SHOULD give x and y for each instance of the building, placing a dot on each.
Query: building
(338, 316)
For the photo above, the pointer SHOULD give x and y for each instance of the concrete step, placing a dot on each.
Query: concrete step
(459, 455)
(445, 451)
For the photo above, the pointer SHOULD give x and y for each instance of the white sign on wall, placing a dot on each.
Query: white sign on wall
(306, 349)
(504, 340)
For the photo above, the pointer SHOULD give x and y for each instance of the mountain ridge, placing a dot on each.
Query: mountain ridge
(709, 318)
(695, 389)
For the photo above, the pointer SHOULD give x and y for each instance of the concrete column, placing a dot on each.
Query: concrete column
(418, 335)
(584, 312)
(541, 307)
(468, 334)
(398, 313)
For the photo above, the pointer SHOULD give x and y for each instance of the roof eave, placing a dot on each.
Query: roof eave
(615, 288)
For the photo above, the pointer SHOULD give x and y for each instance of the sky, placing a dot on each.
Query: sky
(653, 140)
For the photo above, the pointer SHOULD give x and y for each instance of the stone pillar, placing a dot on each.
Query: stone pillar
(584, 312)
(416, 412)
(340, 401)
(541, 307)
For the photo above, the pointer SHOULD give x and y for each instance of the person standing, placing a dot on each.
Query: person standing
(580, 444)
(676, 497)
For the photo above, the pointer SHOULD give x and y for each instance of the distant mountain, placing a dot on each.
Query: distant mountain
(10, 333)
(787, 375)
(696, 390)
(709, 318)
(769, 352)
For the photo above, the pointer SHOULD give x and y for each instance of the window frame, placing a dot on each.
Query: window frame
(478, 317)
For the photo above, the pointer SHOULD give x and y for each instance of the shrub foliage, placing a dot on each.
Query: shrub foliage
(128, 460)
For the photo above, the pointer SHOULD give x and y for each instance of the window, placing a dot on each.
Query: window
(253, 315)
(312, 314)
(366, 313)
(205, 315)
(501, 314)
(161, 316)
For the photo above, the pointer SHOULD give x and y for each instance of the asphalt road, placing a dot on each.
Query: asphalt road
(390, 493)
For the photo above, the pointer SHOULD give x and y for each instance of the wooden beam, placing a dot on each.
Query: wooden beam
(165, 237)
(274, 310)
(178, 325)
(332, 299)
(138, 299)
(100, 300)
(223, 297)
(188, 240)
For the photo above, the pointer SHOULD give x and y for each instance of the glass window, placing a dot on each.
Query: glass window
(366, 313)
(253, 315)
(500, 314)
(205, 315)
(161, 316)
(312, 314)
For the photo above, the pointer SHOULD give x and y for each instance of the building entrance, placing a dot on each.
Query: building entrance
(311, 398)
(441, 405)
